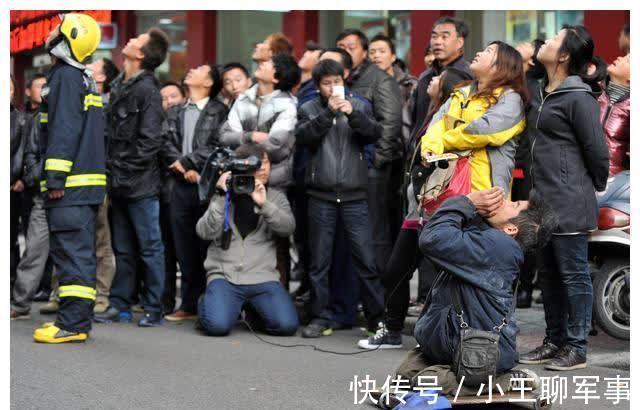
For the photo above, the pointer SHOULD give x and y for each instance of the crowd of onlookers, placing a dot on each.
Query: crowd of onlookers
(338, 134)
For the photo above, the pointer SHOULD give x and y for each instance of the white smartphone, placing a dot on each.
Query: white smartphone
(338, 90)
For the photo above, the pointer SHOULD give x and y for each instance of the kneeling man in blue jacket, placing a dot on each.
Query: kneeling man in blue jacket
(479, 242)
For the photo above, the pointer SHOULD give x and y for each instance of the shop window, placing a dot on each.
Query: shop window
(239, 31)
(524, 25)
(394, 23)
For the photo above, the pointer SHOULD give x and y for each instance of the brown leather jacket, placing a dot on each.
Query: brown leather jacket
(615, 121)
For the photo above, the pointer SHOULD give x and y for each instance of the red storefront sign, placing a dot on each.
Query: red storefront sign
(29, 29)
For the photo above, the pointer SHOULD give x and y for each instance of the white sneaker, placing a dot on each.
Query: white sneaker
(383, 339)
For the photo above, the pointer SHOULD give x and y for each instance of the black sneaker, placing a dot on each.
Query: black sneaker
(151, 319)
(567, 358)
(317, 329)
(383, 339)
(540, 354)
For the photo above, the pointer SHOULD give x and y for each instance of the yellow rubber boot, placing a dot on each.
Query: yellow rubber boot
(53, 334)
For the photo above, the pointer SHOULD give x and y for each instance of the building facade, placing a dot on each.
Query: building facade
(202, 36)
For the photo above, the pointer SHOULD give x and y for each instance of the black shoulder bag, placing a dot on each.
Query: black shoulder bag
(477, 354)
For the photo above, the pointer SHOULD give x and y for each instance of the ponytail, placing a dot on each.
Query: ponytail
(598, 69)
(578, 45)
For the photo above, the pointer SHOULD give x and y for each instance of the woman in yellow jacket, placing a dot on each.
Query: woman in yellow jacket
(485, 117)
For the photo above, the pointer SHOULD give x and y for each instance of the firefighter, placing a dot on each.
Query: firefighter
(74, 179)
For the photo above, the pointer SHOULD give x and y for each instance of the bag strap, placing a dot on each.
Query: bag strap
(455, 297)
(427, 300)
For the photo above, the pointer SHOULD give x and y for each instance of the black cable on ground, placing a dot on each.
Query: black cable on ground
(319, 349)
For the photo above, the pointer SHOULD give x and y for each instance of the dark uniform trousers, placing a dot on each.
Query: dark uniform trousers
(72, 248)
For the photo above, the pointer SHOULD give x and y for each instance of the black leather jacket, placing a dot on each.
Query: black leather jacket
(420, 98)
(20, 125)
(337, 169)
(383, 92)
(136, 123)
(32, 155)
(205, 138)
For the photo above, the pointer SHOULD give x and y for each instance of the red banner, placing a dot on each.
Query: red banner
(38, 26)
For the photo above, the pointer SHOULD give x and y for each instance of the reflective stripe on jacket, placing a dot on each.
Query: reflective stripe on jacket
(72, 138)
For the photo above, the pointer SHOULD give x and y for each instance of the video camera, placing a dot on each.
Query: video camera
(242, 180)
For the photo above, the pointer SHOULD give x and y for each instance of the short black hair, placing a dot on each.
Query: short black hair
(312, 46)
(347, 61)
(400, 64)
(626, 30)
(36, 76)
(174, 84)
(155, 51)
(232, 66)
(287, 72)
(364, 41)
(325, 68)
(249, 149)
(110, 71)
(386, 39)
(217, 80)
(535, 225)
(462, 28)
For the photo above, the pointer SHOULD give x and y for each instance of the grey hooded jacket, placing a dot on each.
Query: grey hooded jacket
(276, 115)
(251, 260)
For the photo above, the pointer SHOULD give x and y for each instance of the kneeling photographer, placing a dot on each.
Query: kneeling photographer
(243, 221)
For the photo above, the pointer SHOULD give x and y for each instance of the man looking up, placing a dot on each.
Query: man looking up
(193, 136)
(135, 137)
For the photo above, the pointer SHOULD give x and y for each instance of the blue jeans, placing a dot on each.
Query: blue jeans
(323, 222)
(222, 302)
(135, 230)
(567, 291)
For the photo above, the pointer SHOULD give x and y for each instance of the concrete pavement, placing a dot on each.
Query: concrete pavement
(175, 367)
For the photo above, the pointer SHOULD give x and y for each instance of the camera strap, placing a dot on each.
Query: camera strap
(226, 211)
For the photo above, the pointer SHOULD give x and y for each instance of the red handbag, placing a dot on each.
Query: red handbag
(459, 184)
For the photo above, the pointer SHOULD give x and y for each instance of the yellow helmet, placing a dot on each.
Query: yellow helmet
(82, 33)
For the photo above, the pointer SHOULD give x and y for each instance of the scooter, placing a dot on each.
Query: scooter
(609, 257)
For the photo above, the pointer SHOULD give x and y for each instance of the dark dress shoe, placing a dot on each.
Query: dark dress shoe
(112, 315)
(151, 319)
(524, 299)
(41, 296)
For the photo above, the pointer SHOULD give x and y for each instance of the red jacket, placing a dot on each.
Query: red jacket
(616, 122)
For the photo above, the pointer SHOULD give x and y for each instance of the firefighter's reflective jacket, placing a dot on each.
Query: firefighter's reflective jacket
(72, 138)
